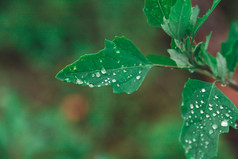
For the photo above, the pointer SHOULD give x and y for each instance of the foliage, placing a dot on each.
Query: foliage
(214, 112)
(207, 113)
(120, 65)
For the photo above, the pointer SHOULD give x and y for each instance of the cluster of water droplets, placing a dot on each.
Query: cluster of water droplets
(206, 117)
(106, 77)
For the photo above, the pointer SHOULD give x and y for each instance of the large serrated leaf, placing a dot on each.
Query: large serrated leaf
(120, 65)
(179, 22)
(207, 113)
(202, 20)
(156, 10)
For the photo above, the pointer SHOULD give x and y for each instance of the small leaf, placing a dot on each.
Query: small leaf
(180, 59)
(156, 10)
(207, 113)
(194, 15)
(120, 65)
(202, 20)
(178, 24)
(161, 61)
(210, 61)
(222, 69)
(208, 38)
(203, 57)
(229, 49)
(187, 45)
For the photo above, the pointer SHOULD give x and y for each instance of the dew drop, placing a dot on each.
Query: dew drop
(214, 126)
(79, 81)
(91, 85)
(203, 90)
(224, 123)
(98, 74)
(138, 77)
(103, 71)
(118, 52)
(114, 80)
(210, 131)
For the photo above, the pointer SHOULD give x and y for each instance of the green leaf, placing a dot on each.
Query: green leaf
(161, 61)
(208, 38)
(203, 57)
(210, 61)
(229, 49)
(202, 20)
(207, 113)
(222, 69)
(194, 15)
(232, 38)
(180, 59)
(120, 65)
(179, 22)
(156, 10)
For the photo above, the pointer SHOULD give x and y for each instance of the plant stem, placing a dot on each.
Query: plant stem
(232, 85)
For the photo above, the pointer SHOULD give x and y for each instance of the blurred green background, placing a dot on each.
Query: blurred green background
(41, 117)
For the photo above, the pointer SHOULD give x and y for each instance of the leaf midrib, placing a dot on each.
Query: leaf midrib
(180, 17)
(161, 8)
(122, 68)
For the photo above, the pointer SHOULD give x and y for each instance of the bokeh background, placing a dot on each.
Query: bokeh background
(41, 117)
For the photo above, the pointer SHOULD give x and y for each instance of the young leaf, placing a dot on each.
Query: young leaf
(210, 61)
(207, 113)
(161, 61)
(229, 49)
(208, 38)
(222, 69)
(194, 16)
(156, 10)
(120, 65)
(232, 38)
(180, 59)
(203, 57)
(178, 24)
(202, 20)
